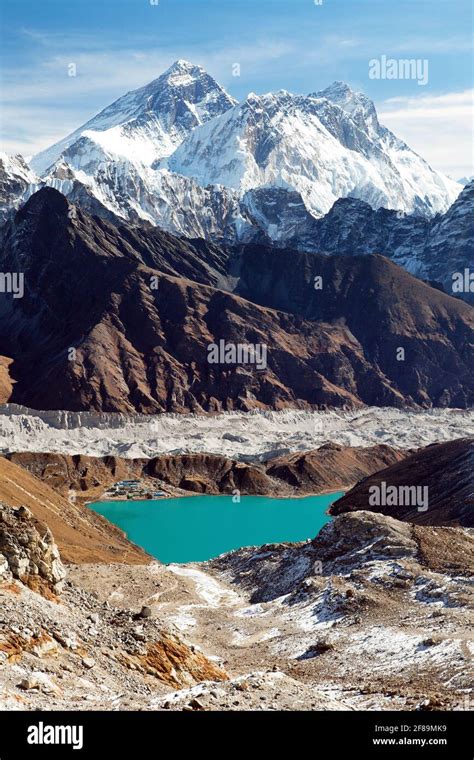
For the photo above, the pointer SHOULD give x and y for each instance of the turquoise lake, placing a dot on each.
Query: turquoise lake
(196, 528)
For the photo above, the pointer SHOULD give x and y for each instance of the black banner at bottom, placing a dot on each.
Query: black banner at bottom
(126, 734)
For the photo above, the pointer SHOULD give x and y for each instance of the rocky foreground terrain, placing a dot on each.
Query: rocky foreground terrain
(50, 643)
(370, 614)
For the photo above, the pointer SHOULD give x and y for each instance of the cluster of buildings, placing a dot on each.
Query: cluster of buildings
(132, 489)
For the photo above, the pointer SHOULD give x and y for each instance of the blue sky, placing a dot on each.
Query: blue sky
(297, 45)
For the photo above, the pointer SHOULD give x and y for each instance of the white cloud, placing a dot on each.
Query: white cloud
(426, 45)
(126, 69)
(438, 127)
(42, 103)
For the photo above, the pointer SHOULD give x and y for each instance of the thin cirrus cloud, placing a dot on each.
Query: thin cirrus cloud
(424, 46)
(445, 118)
(42, 103)
(121, 70)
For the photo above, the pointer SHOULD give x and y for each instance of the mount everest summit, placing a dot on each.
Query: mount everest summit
(182, 154)
(182, 140)
(149, 123)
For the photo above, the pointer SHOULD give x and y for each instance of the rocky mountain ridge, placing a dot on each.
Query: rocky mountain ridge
(322, 146)
(438, 250)
(330, 467)
(443, 472)
(141, 316)
(81, 534)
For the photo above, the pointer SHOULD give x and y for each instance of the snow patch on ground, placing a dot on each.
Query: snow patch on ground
(391, 650)
(183, 620)
(210, 590)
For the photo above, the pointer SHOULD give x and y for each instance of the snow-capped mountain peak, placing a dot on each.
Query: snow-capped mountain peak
(181, 153)
(149, 123)
(356, 104)
(182, 72)
(16, 166)
(324, 146)
(17, 182)
(344, 96)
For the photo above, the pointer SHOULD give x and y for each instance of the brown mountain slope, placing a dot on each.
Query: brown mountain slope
(99, 329)
(332, 466)
(328, 468)
(384, 307)
(81, 535)
(446, 470)
(6, 384)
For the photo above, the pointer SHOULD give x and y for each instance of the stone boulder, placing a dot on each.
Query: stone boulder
(28, 551)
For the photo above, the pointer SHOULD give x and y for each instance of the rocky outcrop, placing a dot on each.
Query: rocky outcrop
(432, 486)
(344, 544)
(28, 551)
(174, 662)
(208, 473)
(81, 534)
(56, 655)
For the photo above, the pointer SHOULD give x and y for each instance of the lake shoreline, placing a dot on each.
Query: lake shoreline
(192, 494)
(215, 524)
